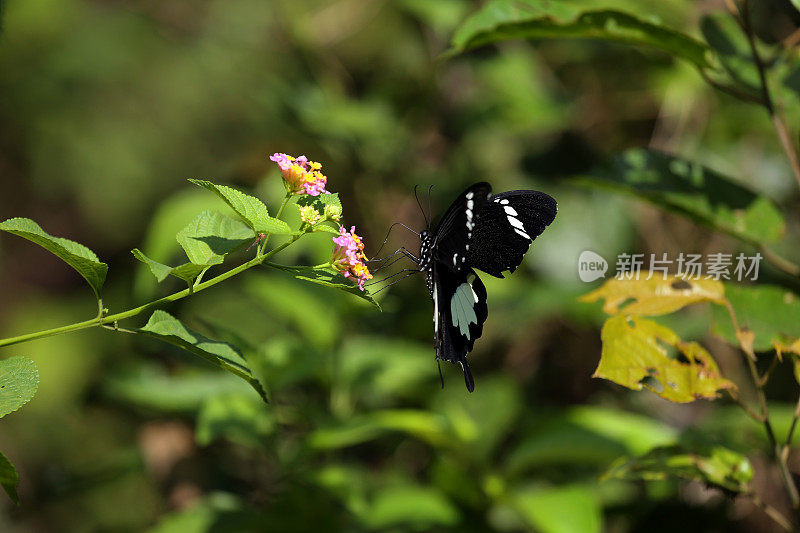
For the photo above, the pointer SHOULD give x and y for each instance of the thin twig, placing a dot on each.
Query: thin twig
(792, 427)
(743, 404)
(780, 262)
(777, 118)
(770, 511)
(766, 375)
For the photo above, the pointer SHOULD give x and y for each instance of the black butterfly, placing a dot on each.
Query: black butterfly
(479, 230)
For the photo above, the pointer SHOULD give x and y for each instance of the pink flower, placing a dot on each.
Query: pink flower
(300, 175)
(348, 256)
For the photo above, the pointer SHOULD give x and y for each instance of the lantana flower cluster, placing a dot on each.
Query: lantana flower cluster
(348, 256)
(300, 175)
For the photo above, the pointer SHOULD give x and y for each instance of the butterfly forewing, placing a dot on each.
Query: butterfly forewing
(505, 228)
(452, 237)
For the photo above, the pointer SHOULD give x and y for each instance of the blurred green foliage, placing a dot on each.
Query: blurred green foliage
(107, 107)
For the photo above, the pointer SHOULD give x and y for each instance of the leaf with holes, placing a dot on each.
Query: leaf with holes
(655, 296)
(9, 478)
(249, 208)
(164, 326)
(327, 278)
(715, 466)
(770, 313)
(19, 380)
(75, 255)
(501, 20)
(693, 191)
(639, 353)
(187, 272)
(211, 236)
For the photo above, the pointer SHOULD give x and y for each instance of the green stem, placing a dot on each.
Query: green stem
(110, 319)
(263, 245)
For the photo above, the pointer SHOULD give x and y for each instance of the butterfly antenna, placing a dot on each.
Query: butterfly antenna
(395, 281)
(430, 213)
(427, 224)
(441, 377)
(387, 239)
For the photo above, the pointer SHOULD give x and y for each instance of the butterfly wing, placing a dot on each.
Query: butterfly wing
(459, 301)
(452, 237)
(505, 226)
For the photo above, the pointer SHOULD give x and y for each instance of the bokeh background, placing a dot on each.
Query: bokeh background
(108, 106)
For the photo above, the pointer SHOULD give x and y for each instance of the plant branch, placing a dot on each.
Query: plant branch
(777, 452)
(155, 304)
(778, 121)
(792, 428)
(263, 245)
(770, 511)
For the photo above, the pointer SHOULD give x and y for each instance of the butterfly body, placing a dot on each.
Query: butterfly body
(480, 231)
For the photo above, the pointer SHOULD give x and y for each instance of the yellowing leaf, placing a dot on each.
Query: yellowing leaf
(655, 296)
(637, 354)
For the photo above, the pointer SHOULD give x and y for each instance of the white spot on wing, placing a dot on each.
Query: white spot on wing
(515, 222)
(504, 202)
(522, 233)
(435, 309)
(510, 211)
(470, 195)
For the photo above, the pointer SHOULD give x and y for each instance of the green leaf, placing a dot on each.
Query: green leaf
(715, 466)
(771, 313)
(410, 505)
(206, 516)
(164, 326)
(234, 417)
(427, 426)
(75, 255)
(694, 191)
(9, 478)
(324, 227)
(150, 389)
(327, 278)
(210, 236)
(723, 33)
(567, 509)
(187, 272)
(655, 296)
(501, 20)
(249, 208)
(586, 435)
(636, 354)
(19, 380)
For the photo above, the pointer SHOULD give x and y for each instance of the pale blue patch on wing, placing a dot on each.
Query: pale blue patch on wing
(462, 308)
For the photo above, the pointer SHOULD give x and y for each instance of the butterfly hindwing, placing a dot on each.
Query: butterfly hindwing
(459, 313)
(505, 228)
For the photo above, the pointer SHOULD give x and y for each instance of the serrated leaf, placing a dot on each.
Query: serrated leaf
(658, 295)
(771, 313)
(164, 326)
(210, 236)
(715, 466)
(324, 228)
(19, 379)
(328, 278)
(635, 355)
(9, 478)
(501, 20)
(693, 191)
(74, 254)
(187, 272)
(249, 208)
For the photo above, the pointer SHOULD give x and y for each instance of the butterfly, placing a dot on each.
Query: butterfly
(483, 231)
